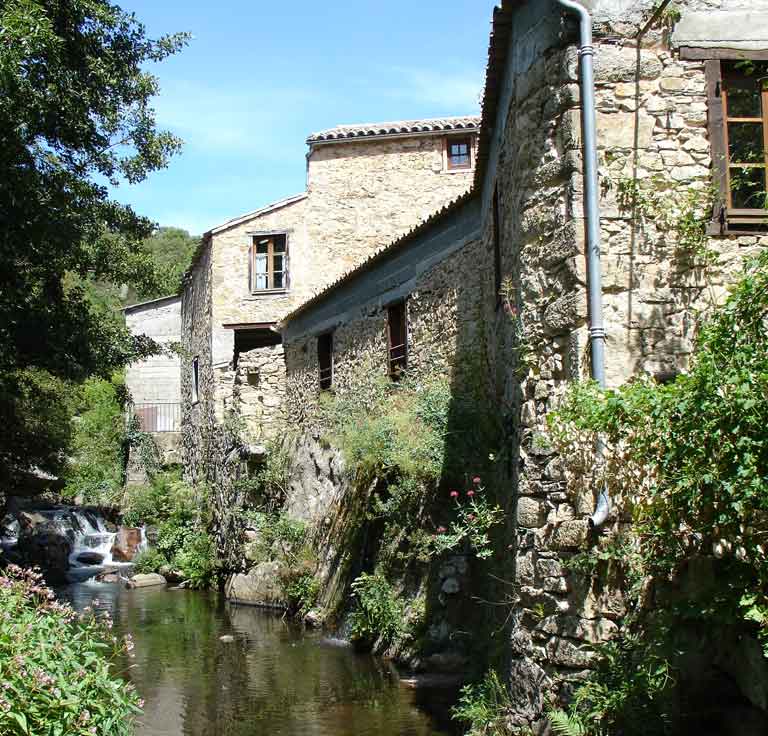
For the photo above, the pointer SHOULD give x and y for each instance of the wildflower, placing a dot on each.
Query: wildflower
(140, 703)
(491, 456)
(476, 480)
(454, 494)
(470, 493)
(470, 517)
(441, 530)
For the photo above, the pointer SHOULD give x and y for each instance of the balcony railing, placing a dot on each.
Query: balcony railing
(158, 417)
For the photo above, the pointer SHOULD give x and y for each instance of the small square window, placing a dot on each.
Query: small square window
(458, 152)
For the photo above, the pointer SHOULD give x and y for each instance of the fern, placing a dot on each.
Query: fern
(565, 724)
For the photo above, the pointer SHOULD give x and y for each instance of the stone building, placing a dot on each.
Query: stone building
(366, 185)
(154, 383)
(681, 129)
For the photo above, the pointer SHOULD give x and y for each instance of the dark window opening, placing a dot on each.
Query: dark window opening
(397, 337)
(738, 108)
(496, 246)
(269, 263)
(325, 360)
(459, 153)
(251, 339)
(195, 380)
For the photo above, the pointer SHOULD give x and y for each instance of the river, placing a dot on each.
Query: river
(272, 678)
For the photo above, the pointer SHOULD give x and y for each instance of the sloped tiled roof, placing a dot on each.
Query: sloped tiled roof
(378, 255)
(397, 127)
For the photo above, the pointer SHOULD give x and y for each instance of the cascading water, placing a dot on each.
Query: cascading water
(86, 536)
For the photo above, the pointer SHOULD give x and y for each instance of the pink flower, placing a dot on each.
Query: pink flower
(441, 529)
(454, 494)
(470, 517)
(476, 480)
(470, 493)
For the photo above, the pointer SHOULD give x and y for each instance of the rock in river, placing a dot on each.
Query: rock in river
(145, 580)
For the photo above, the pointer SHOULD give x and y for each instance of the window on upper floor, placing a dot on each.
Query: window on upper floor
(268, 264)
(325, 360)
(458, 152)
(738, 109)
(195, 380)
(397, 338)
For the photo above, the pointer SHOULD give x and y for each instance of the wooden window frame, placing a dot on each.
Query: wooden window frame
(457, 139)
(195, 379)
(257, 239)
(397, 352)
(325, 371)
(496, 214)
(726, 219)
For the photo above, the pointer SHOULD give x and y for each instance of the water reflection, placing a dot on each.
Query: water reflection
(273, 678)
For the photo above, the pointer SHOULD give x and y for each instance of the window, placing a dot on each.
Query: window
(458, 153)
(195, 381)
(268, 264)
(738, 102)
(496, 246)
(397, 338)
(325, 360)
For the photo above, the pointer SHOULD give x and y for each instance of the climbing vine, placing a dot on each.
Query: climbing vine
(688, 461)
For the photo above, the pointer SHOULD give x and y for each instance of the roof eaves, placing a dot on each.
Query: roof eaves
(148, 302)
(379, 255)
(498, 47)
(402, 128)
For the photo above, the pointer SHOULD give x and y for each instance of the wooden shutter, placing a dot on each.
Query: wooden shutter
(717, 140)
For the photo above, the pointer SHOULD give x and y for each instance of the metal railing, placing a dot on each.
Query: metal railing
(158, 417)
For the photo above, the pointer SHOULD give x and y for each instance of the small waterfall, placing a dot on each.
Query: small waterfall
(90, 537)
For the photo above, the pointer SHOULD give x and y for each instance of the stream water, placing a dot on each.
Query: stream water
(272, 679)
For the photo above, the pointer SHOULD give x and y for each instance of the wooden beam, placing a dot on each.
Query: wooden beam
(694, 53)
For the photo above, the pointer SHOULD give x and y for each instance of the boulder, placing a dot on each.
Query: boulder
(109, 576)
(145, 580)
(45, 544)
(90, 558)
(260, 586)
(126, 544)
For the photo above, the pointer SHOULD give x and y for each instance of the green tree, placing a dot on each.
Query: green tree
(75, 116)
(172, 249)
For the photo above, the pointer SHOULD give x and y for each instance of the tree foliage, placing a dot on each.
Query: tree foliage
(75, 116)
(689, 460)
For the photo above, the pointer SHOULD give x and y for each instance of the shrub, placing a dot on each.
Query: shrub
(689, 460)
(378, 614)
(180, 514)
(57, 670)
(196, 560)
(150, 560)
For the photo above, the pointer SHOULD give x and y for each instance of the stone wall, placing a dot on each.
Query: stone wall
(652, 132)
(232, 301)
(364, 194)
(197, 418)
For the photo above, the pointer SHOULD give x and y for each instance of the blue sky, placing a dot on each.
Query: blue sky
(259, 77)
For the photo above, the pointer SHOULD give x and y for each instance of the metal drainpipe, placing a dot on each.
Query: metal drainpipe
(592, 215)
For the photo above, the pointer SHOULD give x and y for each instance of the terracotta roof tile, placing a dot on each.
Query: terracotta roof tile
(398, 127)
